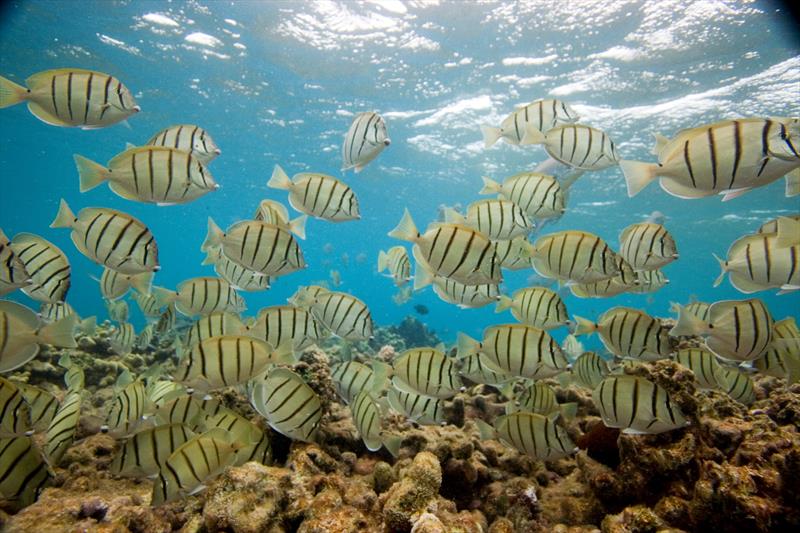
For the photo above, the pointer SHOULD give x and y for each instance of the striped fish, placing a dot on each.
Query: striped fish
(123, 339)
(396, 261)
(539, 115)
(166, 321)
(47, 267)
(782, 358)
(317, 195)
(272, 212)
(517, 350)
(514, 254)
(228, 360)
(286, 323)
(698, 309)
(647, 246)
(192, 464)
(183, 409)
(475, 368)
(291, 407)
(43, 405)
(305, 296)
(637, 406)
(421, 409)
(114, 285)
(574, 256)
(771, 226)
(605, 288)
(702, 363)
(258, 246)
(160, 392)
(21, 334)
(577, 146)
(350, 377)
(149, 174)
(187, 138)
(735, 330)
(344, 315)
(15, 413)
(145, 337)
(368, 418)
(61, 430)
(500, 220)
(127, 409)
(12, 271)
(759, 262)
(426, 371)
(589, 369)
(452, 251)
(737, 385)
(213, 325)
(649, 281)
(72, 98)
(201, 296)
(536, 306)
(74, 377)
(118, 311)
(23, 471)
(465, 296)
(238, 276)
(627, 332)
(532, 434)
(731, 157)
(111, 238)
(146, 452)
(255, 442)
(50, 313)
(539, 195)
(366, 138)
(537, 398)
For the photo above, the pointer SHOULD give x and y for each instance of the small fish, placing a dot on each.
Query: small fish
(650, 281)
(245, 432)
(537, 398)
(74, 377)
(366, 138)
(123, 339)
(728, 157)
(426, 371)
(735, 330)
(118, 310)
(213, 325)
(47, 267)
(291, 407)
(43, 405)
(536, 306)
(539, 195)
(417, 407)
(160, 392)
(698, 309)
(367, 417)
(127, 407)
(187, 138)
(12, 271)
(736, 384)
(307, 294)
(627, 332)
(72, 98)
(477, 369)
(111, 238)
(402, 296)
(114, 285)
(50, 313)
(351, 377)
(317, 195)
(282, 323)
(61, 430)
(589, 369)
(782, 358)
(703, 364)
(532, 434)
(344, 315)
(605, 288)
(149, 304)
(23, 471)
(183, 409)
(397, 262)
(574, 256)
(500, 220)
(647, 246)
(514, 254)
(21, 333)
(238, 276)
(540, 115)
(637, 406)
(336, 278)
(166, 322)
(15, 413)
(201, 296)
(577, 146)
(464, 296)
(146, 452)
(272, 212)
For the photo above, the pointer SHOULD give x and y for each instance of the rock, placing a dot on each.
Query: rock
(636, 519)
(418, 487)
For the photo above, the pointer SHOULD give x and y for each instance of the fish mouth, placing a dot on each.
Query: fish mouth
(136, 109)
(387, 142)
(217, 151)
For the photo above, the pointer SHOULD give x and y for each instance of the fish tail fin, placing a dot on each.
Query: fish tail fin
(284, 353)
(91, 174)
(65, 217)
(788, 232)
(466, 346)
(60, 333)
(793, 183)
(213, 237)
(279, 179)
(142, 282)
(452, 216)
(584, 326)
(406, 230)
(212, 256)
(487, 431)
(503, 303)
(392, 444)
(527, 251)
(88, 326)
(687, 324)
(724, 266)
(298, 226)
(637, 175)
(11, 93)
(532, 136)
(163, 296)
(490, 135)
(490, 186)
(383, 261)
(568, 410)
(423, 275)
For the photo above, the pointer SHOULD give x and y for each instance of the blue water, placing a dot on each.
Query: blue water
(278, 82)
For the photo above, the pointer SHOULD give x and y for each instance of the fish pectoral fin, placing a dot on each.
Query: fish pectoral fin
(730, 195)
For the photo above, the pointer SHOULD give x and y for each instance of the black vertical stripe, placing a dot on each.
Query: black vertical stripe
(88, 98)
(688, 160)
(737, 150)
(69, 94)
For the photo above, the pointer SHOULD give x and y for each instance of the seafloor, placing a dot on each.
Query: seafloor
(733, 469)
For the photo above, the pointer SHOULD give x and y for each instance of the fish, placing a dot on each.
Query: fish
(344, 315)
(257, 246)
(537, 398)
(166, 321)
(272, 212)
(43, 405)
(736, 384)
(192, 464)
(536, 306)
(228, 360)
(637, 406)
(24, 473)
(395, 259)
(402, 296)
(123, 339)
(540, 115)
(538, 195)
(12, 270)
(426, 371)
(110, 238)
(146, 452)
(256, 442)
(118, 311)
(764, 260)
(161, 391)
(735, 330)
(238, 276)
(306, 294)
(201, 296)
(282, 323)
(477, 369)
(187, 138)
(729, 157)
(771, 226)
(53, 312)
(317, 195)
(451, 251)
(114, 285)
(698, 309)
(417, 407)
(15, 413)
(336, 278)
(72, 97)
(589, 369)
(128, 406)
(577, 146)
(576, 256)
(61, 431)
(368, 417)
(183, 409)
(213, 325)
(532, 434)
(364, 141)
(782, 358)
(149, 174)
(605, 288)
(47, 267)
(649, 281)
(517, 350)
(350, 377)
(647, 246)
(451, 291)
(514, 254)
(499, 220)
(21, 334)
(74, 377)
(149, 304)
(703, 364)
(630, 333)
(291, 407)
